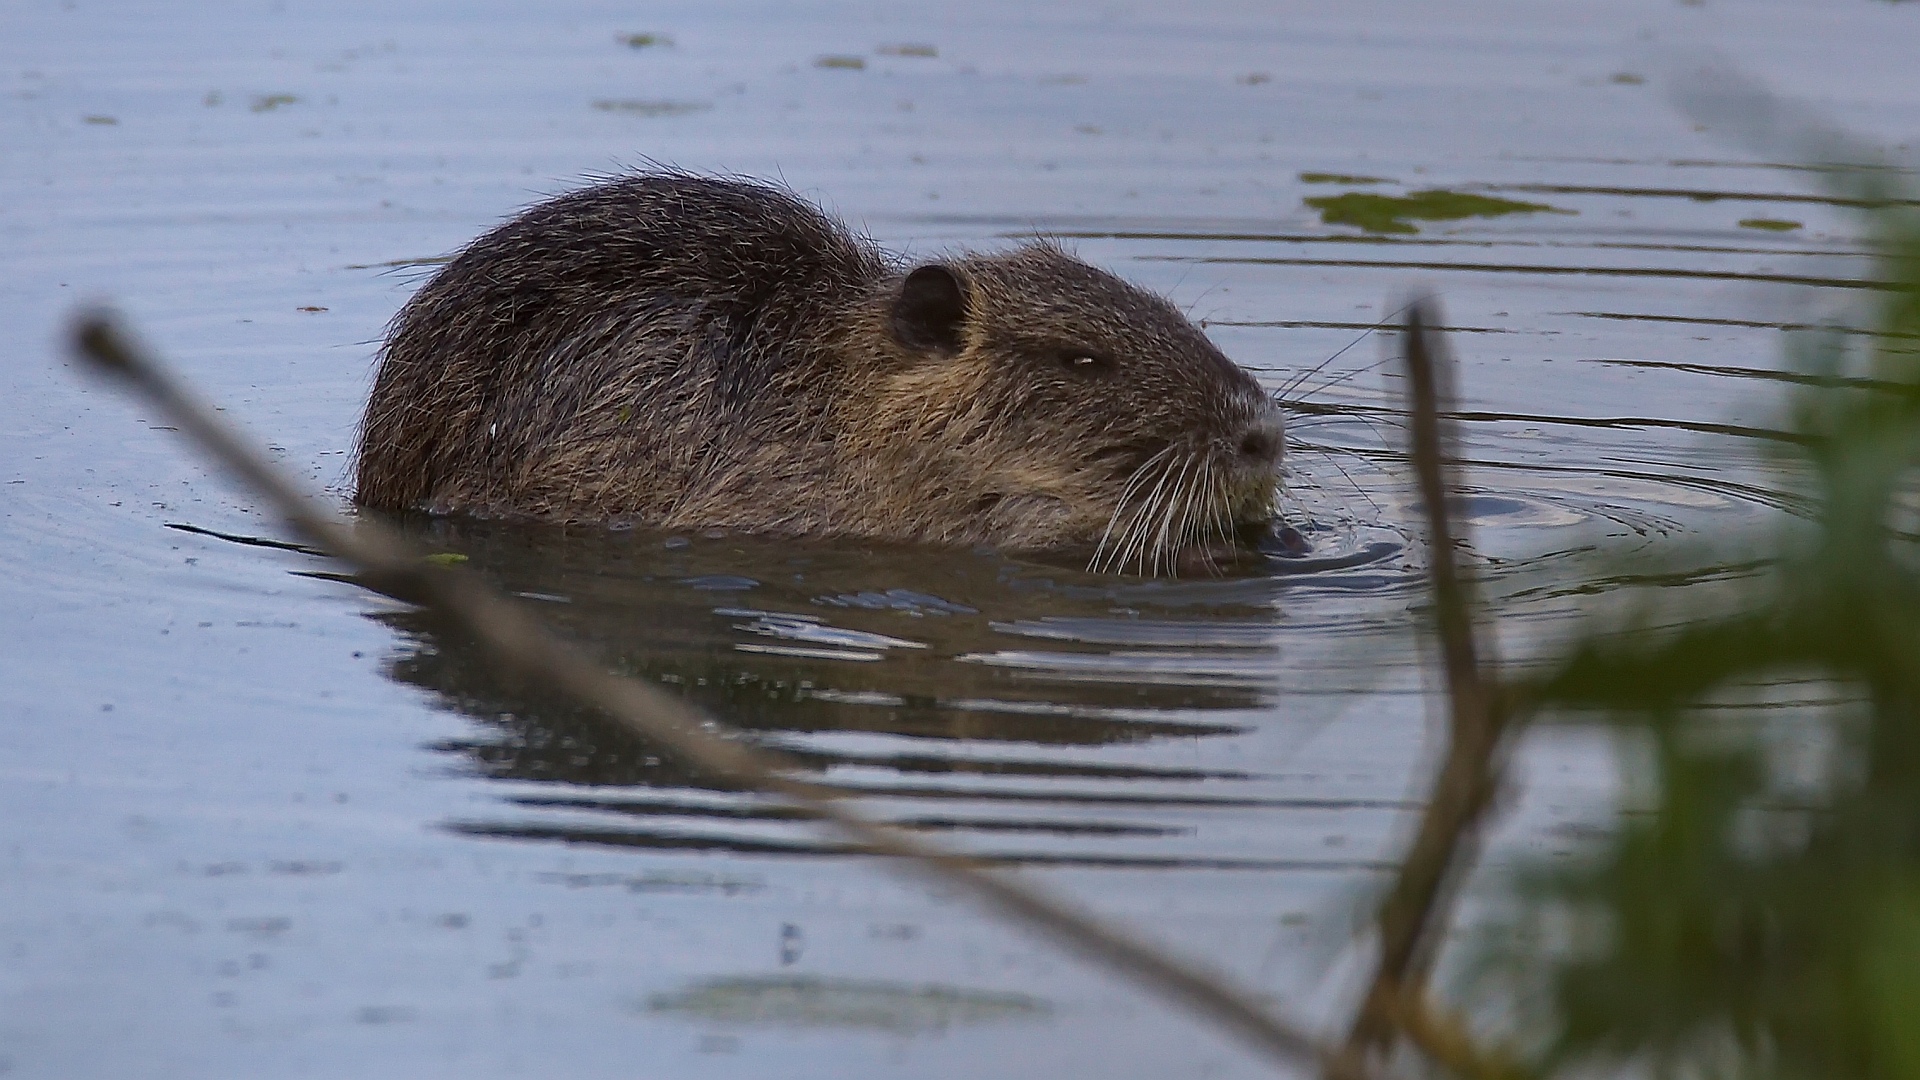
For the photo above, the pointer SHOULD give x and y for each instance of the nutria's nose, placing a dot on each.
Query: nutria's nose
(1262, 443)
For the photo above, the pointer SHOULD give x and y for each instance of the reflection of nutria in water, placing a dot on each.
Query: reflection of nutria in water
(915, 720)
(684, 351)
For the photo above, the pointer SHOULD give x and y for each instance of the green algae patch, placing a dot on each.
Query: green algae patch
(1396, 213)
(812, 1002)
(1769, 224)
(1340, 178)
(270, 102)
(849, 63)
(908, 48)
(444, 558)
(645, 41)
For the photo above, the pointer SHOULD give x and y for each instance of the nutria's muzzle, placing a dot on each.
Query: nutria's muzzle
(1263, 441)
(1195, 504)
(1256, 465)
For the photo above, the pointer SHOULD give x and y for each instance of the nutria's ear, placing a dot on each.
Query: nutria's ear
(930, 309)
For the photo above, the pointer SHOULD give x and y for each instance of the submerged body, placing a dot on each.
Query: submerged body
(682, 352)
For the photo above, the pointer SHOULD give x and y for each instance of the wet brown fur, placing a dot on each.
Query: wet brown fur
(684, 351)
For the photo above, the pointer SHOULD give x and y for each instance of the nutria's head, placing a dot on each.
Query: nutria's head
(1032, 401)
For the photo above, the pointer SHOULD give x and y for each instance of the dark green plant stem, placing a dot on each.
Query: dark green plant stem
(389, 565)
(1415, 910)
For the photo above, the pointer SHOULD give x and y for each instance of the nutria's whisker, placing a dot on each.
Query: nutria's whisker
(1151, 512)
(1286, 390)
(1310, 421)
(1119, 507)
(1121, 504)
(1165, 539)
(1284, 491)
(1177, 537)
(1220, 524)
(1219, 520)
(1159, 507)
(1354, 484)
(1130, 540)
(1193, 525)
(1189, 526)
(1141, 527)
(1342, 377)
(1124, 545)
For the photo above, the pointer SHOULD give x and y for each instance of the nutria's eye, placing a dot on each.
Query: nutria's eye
(1082, 362)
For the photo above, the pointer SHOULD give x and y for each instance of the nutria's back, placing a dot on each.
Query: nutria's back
(686, 351)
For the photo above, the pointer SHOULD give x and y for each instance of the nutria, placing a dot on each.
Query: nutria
(682, 351)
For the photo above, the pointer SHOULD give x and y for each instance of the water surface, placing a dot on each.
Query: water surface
(262, 821)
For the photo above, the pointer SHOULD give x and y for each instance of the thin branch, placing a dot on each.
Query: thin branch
(388, 564)
(1444, 1038)
(1415, 911)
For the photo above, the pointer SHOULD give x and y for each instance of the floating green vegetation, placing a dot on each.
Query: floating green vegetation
(101, 119)
(645, 41)
(1392, 213)
(1340, 178)
(1771, 224)
(805, 1001)
(270, 102)
(651, 108)
(850, 63)
(908, 49)
(445, 558)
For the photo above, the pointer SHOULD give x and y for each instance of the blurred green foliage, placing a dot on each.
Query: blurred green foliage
(1757, 913)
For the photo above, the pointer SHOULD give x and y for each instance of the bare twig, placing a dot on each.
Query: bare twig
(1414, 912)
(388, 565)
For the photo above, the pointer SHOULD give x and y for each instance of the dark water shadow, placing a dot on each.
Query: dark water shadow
(979, 696)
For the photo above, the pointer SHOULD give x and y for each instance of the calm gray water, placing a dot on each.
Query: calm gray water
(261, 822)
